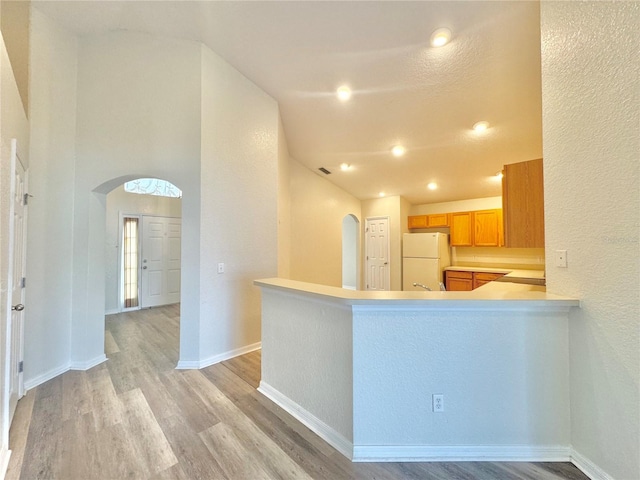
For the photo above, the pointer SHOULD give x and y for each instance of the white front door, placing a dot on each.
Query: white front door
(17, 256)
(377, 253)
(160, 279)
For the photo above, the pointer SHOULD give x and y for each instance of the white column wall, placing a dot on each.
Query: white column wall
(136, 118)
(239, 185)
(52, 115)
(591, 119)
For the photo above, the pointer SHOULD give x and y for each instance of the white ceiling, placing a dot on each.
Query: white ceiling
(405, 91)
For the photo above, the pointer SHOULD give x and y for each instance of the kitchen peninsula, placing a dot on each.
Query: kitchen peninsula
(360, 368)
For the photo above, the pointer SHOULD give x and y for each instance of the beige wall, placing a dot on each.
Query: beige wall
(457, 206)
(284, 205)
(591, 115)
(317, 210)
(14, 23)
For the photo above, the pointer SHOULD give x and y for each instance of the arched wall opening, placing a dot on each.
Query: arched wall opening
(142, 245)
(350, 252)
(89, 283)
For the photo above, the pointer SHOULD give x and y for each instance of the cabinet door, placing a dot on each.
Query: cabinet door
(523, 204)
(487, 226)
(461, 229)
(438, 220)
(417, 221)
(480, 278)
(459, 281)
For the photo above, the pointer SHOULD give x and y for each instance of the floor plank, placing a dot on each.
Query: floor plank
(137, 417)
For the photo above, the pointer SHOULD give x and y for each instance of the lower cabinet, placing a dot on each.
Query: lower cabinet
(459, 281)
(463, 281)
(480, 278)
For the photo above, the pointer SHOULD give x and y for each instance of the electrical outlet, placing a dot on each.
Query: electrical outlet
(221, 268)
(561, 258)
(438, 402)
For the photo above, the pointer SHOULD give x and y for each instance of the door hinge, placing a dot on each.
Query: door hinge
(20, 366)
(23, 282)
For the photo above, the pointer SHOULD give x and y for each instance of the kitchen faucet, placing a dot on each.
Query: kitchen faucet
(422, 286)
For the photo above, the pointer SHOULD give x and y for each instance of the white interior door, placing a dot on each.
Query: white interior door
(160, 277)
(17, 262)
(377, 253)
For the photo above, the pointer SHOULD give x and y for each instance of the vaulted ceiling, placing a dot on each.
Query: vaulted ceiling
(404, 91)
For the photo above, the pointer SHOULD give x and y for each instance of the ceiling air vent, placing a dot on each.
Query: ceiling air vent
(325, 171)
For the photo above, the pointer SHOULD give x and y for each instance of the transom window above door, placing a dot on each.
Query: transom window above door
(153, 186)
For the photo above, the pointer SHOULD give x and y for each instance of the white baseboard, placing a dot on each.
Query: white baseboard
(587, 467)
(417, 453)
(324, 431)
(88, 364)
(113, 311)
(46, 376)
(460, 453)
(198, 364)
(5, 455)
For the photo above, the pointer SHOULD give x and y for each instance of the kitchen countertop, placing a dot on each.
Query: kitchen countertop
(511, 275)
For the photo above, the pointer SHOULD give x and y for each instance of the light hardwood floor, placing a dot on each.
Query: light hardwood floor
(135, 416)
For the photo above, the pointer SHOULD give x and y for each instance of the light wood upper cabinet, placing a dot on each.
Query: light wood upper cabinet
(523, 204)
(418, 221)
(438, 220)
(487, 226)
(428, 221)
(461, 229)
(482, 228)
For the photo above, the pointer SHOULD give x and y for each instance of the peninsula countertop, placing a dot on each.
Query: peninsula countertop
(500, 295)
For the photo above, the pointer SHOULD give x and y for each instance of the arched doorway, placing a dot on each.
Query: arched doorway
(143, 238)
(88, 335)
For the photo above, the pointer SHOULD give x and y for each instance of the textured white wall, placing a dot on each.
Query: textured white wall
(591, 119)
(239, 182)
(317, 210)
(52, 115)
(307, 356)
(496, 391)
(119, 201)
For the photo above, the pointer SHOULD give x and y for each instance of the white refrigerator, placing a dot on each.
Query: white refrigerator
(424, 256)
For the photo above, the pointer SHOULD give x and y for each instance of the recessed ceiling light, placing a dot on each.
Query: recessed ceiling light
(480, 127)
(432, 186)
(440, 37)
(381, 194)
(344, 93)
(345, 166)
(398, 150)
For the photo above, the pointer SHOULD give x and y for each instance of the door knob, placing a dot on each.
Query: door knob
(144, 268)
(17, 308)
